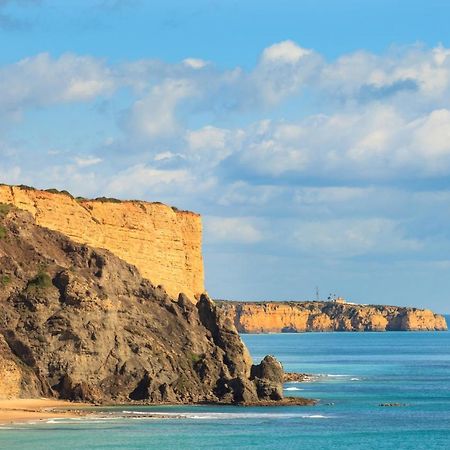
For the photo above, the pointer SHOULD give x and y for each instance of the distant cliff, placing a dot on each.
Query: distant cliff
(162, 242)
(279, 317)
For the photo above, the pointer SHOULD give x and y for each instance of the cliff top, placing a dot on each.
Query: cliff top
(161, 241)
(84, 200)
(318, 303)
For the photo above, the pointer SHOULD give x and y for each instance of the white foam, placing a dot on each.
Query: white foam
(355, 379)
(293, 389)
(317, 416)
(220, 415)
(331, 375)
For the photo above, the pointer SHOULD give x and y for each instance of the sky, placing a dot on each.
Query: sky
(312, 136)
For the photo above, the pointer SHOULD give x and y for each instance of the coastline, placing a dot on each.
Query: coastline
(27, 409)
(18, 411)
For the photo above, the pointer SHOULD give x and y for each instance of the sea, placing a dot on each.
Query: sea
(386, 390)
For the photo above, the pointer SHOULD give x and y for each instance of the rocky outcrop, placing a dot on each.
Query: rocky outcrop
(162, 242)
(279, 317)
(79, 323)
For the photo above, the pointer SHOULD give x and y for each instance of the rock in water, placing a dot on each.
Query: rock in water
(79, 323)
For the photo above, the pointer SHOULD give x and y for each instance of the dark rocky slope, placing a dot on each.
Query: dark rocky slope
(79, 323)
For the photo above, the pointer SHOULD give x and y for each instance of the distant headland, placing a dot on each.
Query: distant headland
(333, 315)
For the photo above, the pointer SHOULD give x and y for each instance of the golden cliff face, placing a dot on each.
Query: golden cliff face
(162, 242)
(277, 317)
(10, 373)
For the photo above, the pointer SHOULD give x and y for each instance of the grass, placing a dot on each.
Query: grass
(40, 282)
(4, 209)
(3, 232)
(196, 358)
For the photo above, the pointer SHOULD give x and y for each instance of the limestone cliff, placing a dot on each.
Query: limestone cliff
(79, 323)
(277, 317)
(162, 242)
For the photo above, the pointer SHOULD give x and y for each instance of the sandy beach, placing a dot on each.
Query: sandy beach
(24, 410)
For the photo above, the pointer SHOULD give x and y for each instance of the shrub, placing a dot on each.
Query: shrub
(26, 188)
(107, 200)
(41, 281)
(4, 209)
(5, 280)
(196, 358)
(3, 232)
(56, 191)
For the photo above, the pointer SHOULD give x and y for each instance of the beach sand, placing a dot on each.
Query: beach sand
(25, 410)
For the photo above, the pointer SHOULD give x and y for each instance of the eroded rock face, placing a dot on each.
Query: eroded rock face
(278, 317)
(162, 242)
(81, 324)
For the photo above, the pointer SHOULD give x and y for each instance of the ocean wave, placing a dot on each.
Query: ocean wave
(293, 389)
(220, 415)
(332, 375)
(318, 416)
(82, 419)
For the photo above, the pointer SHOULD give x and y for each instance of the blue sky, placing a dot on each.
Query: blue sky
(313, 136)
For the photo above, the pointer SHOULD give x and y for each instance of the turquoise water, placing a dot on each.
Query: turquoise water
(359, 371)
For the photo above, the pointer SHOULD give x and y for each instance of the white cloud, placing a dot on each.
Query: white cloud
(194, 63)
(140, 178)
(154, 116)
(167, 156)
(376, 143)
(11, 175)
(211, 145)
(41, 81)
(284, 52)
(173, 186)
(242, 193)
(231, 229)
(342, 238)
(87, 161)
(334, 194)
(284, 68)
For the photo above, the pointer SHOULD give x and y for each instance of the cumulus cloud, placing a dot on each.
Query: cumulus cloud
(221, 136)
(87, 161)
(194, 63)
(174, 186)
(284, 68)
(154, 116)
(41, 81)
(232, 229)
(284, 52)
(376, 143)
(349, 238)
(209, 145)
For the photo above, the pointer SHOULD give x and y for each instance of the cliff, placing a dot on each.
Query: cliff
(79, 323)
(162, 242)
(278, 317)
